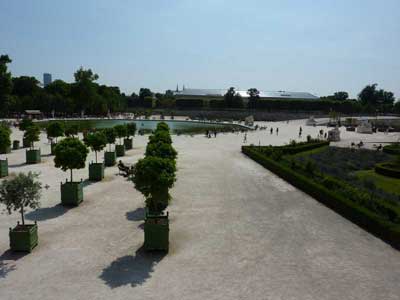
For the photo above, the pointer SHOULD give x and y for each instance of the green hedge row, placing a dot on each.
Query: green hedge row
(392, 149)
(366, 219)
(294, 149)
(388, 169)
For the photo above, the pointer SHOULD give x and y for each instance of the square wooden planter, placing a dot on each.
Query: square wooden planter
(156, 232)
(128, 143)
(24, 237)
(33, 156)
(3, 168)
(16, 144)
(96, 171)
(120, 150)
(110, 158)
(71, 193)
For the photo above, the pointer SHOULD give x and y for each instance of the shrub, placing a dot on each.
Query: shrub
(24, 124)
(388, 169)
(55, 130)
(161, 149)
(162, 126)
(110, 136)
(70, 154)
(131, 129)
(120, 131)
(5, 141)
(160, 136)
(21, 191)
(32, 135)
(392, 149)
(96, 141)
(72, 130)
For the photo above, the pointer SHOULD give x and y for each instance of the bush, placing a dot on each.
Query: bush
(32, 135)
(72, 130)
(55, 130)
(161, 149)
(96, 141)
(162, 126)
(121, 131)
(131, 129)
(392, 149)
(390, 169)
(5, 141)
(70, 154)
(24, 124)
(110, 135)
(160, 136)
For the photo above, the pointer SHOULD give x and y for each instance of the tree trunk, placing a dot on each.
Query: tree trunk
(71, 174)
(22, 215)
(96, 155)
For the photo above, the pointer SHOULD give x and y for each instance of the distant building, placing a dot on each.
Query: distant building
(218, 94)
(46, 79)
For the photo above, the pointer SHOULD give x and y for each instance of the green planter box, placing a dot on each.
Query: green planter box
(33, 156)
(3, 168)
(71, 193)
(52, 147)
(110, 158)
(120, 150)
(128, 143)
(15, 145)
(23, 237)
(5, 150)
(156, 232)
(25, 143)
(96, 171)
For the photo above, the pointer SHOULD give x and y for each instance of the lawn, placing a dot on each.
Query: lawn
(388, 184)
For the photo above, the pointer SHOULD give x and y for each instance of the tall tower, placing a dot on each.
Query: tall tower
(177, 88)
(46, 79)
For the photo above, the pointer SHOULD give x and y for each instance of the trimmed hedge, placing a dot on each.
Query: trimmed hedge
(392, 149)
(388, 169)
(294, 149)
(382, 228)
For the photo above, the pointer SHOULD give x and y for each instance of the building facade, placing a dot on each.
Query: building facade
(46, 79)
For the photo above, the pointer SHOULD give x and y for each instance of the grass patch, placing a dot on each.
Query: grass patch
(388, 184)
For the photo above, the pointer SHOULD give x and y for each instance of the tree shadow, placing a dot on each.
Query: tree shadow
(135, 215)
(7, 267)
(17, 165)
(46, 213)
(133, 270)
(46, 155)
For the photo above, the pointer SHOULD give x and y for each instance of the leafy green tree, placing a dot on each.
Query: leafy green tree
(153, 177)
(340, 96)
(84, 90)
(70, 154)
(161, 136)
(24, 124)
(32, 135)
(25, 86)
(161, 149)
(121, 132)
(254, 97)
(72, 130)
(5, 84)
(5, 141)
(145, 92)
(97, 141)
(23, 190)
(228, 97)
(110, 136)
(370, 95)
(162, 126)
(131, 129)
(55, 130)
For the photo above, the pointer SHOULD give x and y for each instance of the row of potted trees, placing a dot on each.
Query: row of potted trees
(153, 176)
(70, 153)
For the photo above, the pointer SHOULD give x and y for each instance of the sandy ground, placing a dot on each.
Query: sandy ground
(237, 232)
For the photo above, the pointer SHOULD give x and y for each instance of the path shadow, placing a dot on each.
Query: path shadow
(17, 165)
(87, 182)
(135, 215)
(133, 270)
(46, 155)
(7, 267)
(47, 213)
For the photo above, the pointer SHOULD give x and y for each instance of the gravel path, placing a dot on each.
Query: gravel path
(237, 232)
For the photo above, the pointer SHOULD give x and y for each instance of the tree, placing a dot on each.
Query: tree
(254, 97)
(228, 97)
(110, 136)
(161, 136)
(5, 84)
(373, 97)
(96, 141)
(5, 141)
(55, 130)
(121, 132)
(162, 126)
(70, 154)
(24, 124)
(340, 96)
(161, 149)
(32, 135)
(21, 191)
(84, 90)
(131, 129)
(25, 86)
(153, 177)
(145, 92)
(72, 130)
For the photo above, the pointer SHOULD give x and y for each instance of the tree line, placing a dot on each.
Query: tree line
(85, 95)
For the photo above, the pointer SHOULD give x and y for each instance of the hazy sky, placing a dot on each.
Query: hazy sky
(319, 46)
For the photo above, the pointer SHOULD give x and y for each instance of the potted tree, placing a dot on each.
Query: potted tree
(17, 193)
(5, 148)
(4, 144)
(54, 131)
(71, 154)
(121, 132)
(153, 177)
(23, 126)
(31, 136)
(130, 131)
(96, 142)
(72, 130)
(110, 156)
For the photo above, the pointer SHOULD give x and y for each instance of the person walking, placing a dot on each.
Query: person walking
(245, 138)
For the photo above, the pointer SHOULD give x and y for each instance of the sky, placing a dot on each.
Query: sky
(313, 46)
